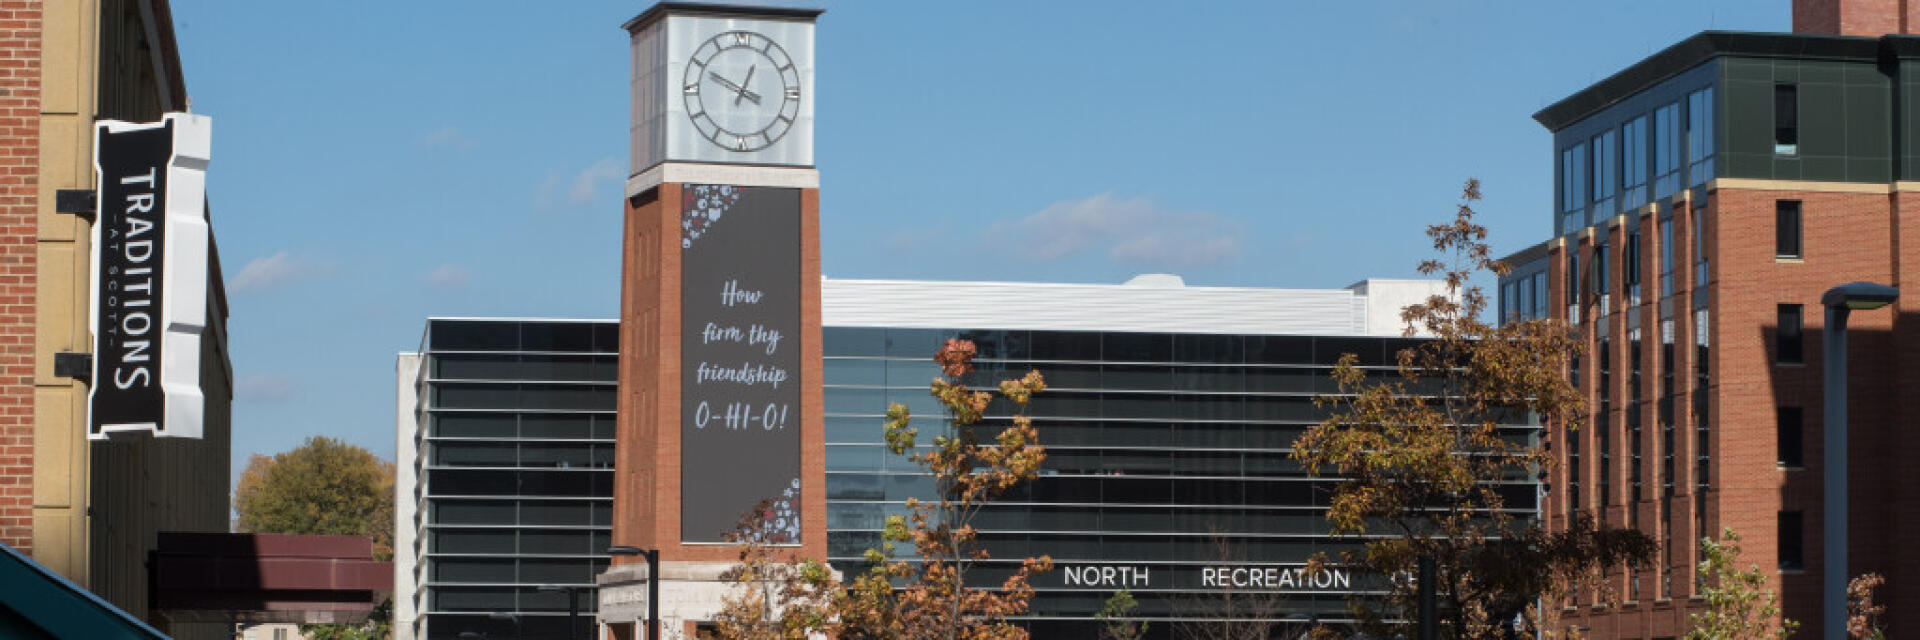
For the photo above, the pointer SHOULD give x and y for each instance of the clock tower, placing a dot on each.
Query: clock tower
(720, 409)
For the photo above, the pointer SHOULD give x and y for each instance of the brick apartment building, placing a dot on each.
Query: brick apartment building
(1706, 197)
(86, 510)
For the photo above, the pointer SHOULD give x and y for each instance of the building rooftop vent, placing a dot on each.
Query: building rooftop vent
(1158, 281)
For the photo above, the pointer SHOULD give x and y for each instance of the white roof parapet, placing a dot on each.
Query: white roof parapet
(1147, 303)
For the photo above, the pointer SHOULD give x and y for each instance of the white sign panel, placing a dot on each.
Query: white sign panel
(149, 277)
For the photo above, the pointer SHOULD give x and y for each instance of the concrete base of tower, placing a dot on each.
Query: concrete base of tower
(691, 594)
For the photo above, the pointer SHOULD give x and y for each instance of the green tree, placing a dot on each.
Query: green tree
(1739, 604)
(324, 486)
(1421, 456)
(1116, 617)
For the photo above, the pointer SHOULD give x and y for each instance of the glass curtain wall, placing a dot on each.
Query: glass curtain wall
(516, 462)
(1168, 458)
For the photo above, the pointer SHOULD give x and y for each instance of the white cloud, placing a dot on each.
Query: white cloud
(447, 137)
(560, 191)
(448, 276)
(1133, 230)
(263, 388)
(271, 272)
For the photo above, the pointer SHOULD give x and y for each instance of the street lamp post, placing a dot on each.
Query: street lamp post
(653, 583)
(573, 607)
(1839, 301)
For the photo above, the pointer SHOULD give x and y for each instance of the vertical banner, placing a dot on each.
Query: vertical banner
(149, 277)
(740, 360)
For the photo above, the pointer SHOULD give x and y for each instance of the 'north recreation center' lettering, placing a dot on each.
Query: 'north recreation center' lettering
(1107, 576)
(747, 374)
(1274, 578)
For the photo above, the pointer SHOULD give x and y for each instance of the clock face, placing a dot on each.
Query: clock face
(742, 91)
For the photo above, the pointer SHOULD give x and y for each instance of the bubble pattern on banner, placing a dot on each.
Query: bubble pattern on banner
(709, 202)
(786, 513)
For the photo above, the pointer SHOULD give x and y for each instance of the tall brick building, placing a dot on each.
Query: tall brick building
(87, 510)
(1706, 197)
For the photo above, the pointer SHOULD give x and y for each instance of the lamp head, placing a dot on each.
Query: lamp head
(1860, 296)
(623, 550)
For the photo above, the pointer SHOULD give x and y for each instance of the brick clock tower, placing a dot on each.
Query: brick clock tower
(720, 365)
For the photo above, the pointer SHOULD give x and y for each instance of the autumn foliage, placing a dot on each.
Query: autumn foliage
(1422, 454)
(929, 595)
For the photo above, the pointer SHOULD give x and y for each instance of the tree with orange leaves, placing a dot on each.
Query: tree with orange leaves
(931, 597)
(1421, 457)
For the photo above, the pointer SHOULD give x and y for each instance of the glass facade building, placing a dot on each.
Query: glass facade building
(1169, 463)
(512, 473)
(1169, 467)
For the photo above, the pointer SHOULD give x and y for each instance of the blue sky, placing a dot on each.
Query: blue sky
(378, 163)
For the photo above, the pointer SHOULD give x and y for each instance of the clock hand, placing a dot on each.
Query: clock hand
(741, 91)
(743, 87)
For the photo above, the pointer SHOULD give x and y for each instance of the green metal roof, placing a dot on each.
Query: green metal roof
(38, 603)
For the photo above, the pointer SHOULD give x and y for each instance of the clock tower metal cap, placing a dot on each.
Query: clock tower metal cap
(661, 10)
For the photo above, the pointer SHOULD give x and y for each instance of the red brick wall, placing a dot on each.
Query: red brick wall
(1855, 17)
(1846, 237)
(647, 497)
(19, 210)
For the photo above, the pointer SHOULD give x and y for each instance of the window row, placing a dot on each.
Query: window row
(1076, 433)
(1610, 172)
(532, 513)
(1525, 297)
(1190, 521)
(530, 397)
(508, 335)
(1127, 490)
(1054, 404)
(506, 599)
(916, 375)
(506, 542)
(515, 570)
(851, 545)
(1112, 346)
(459, 482)
(508, 366)
(563, 455)
(526, 426)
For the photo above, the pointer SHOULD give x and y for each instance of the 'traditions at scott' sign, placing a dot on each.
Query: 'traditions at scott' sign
(739, 359)
(149, 277)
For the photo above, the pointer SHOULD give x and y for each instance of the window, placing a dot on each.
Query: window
(1633, 163)
(1524, 306)
(1666, 150)
(1786, 229)
(1600, 258)
(1606, 173)
(1787, 421)
(1507, 298)
(1700, 136)
(1630, 254)
(1666, 257)
(1573, 186)
(1540, 294)
(1700, 246)
(1787, 339)
(1786, 119)
(1792, 556)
